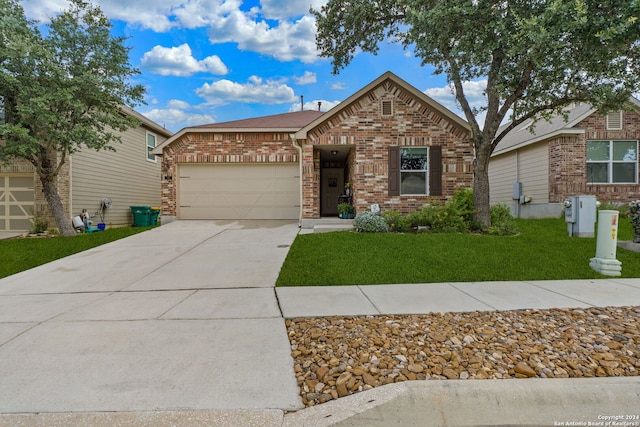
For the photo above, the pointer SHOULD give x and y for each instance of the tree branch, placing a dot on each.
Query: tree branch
(462, 99)
(530, 114)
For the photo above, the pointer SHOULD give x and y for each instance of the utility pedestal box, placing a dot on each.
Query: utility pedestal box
(580, 215)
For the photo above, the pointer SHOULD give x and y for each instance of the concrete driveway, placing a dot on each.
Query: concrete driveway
(180, 317)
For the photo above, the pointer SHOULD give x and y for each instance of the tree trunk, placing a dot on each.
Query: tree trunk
(57, 209)
(481, 186)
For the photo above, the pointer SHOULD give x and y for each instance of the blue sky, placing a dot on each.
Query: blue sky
(210, 61)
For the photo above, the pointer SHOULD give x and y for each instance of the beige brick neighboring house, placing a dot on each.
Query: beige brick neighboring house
(589, 154)
(129, 176)
(395, 145)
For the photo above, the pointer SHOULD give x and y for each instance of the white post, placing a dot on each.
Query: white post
(605, 261)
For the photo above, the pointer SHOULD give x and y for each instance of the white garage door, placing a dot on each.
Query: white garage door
(239, 191)
(16, 202)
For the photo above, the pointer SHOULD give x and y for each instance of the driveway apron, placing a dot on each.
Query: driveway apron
(183, 316)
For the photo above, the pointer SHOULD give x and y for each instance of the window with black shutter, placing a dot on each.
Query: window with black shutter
(435, 170)
(394, 171)
(415, 171)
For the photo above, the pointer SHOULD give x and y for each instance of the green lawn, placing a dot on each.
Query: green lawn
(542, 251)
(22, 254)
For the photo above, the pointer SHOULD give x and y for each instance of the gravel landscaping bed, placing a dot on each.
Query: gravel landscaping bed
(337, 356)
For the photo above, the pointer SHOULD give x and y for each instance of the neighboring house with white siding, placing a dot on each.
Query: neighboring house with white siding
(129, 176)
(589, 153)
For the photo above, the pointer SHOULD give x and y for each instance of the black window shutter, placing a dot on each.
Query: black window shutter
(394, 171)
(435, 170)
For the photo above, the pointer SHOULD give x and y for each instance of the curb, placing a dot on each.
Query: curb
(607, 401)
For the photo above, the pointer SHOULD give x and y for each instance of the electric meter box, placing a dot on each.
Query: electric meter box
(580, 214)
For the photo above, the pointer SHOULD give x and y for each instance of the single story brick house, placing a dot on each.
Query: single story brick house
(396, 146)
(589, 154)
(129, 176)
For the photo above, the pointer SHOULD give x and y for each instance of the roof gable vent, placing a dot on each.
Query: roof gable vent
(387, 109)
(614, 120)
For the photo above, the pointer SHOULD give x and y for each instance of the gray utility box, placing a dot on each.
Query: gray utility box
(580, 214)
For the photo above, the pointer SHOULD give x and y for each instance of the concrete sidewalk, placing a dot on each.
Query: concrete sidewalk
(312, 301)
(182, 325)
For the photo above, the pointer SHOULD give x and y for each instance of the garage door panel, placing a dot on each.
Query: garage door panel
(16, 201)
(246, 191)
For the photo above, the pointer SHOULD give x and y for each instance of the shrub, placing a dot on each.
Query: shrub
(422, 218)
(370, 223)
(623, 208)
(461, 204)
(39, 226)
(396, 221)
(454, 216)
(502, 221)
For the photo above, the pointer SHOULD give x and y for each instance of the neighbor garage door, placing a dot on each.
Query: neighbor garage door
(16, 202)
(239, 191)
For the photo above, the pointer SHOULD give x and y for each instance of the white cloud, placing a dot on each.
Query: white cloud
(176, 119)
(180, 105)
(179, 61)
(43, 10)
(313, 105)
(255, 91)
(474, 92)
(283, 9)
(307, 78)
(338, 86)
(286, 42)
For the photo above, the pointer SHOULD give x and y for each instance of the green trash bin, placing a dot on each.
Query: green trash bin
(141, 216)
(155, 213)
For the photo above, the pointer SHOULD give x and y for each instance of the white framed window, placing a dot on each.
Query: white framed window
(612, 162)
(151, 144)
(614, 120)
(414, 176)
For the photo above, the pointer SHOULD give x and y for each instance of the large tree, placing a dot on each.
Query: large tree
(537, 56)
(61, 91)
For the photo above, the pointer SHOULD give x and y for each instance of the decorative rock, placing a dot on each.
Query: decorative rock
(450, 373)
(369, 380)
(525, 369)
(400, 358)
(415, 368)
(341, 383)
(321, 372)
(335, 356)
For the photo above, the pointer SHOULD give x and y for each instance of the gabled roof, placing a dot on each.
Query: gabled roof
(285, 123)
(459, 121)
(522, 136)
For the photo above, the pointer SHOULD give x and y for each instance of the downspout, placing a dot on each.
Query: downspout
(518, 207)
(299, 149)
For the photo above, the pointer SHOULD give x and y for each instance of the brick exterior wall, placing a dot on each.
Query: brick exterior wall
(362, 126)
(568, 161)
(250, 147)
